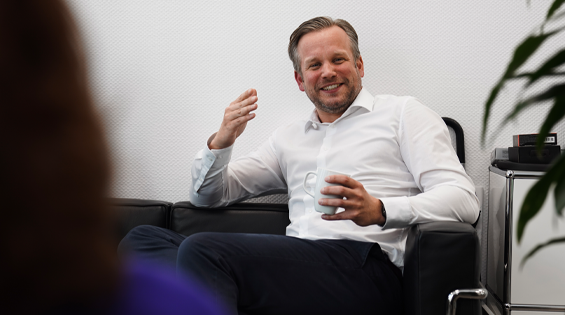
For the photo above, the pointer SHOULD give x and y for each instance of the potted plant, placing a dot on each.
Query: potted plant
(555, 92)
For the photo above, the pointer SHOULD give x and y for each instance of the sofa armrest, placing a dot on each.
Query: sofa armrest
(440, 257)
(264, 218)
(133, 212)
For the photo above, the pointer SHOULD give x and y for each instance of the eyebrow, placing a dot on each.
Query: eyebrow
(337, 53)
(310, 60)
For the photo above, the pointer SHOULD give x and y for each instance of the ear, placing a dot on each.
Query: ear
(359, 65)
(299, 80)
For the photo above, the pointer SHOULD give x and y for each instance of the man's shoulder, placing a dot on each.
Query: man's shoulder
(392, 100)
(393, 105)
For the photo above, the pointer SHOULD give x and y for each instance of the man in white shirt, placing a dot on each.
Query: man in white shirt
(398, 155)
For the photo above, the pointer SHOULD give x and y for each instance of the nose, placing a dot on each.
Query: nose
(328, 70)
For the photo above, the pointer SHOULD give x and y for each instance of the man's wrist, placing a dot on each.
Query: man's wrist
(211, 145)
(383, 215)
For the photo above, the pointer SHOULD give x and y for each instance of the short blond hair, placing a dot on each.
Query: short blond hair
(316, 24)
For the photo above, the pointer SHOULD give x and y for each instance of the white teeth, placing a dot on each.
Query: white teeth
(330, 87)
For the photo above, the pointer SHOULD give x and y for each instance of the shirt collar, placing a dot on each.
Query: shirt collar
(363, 101)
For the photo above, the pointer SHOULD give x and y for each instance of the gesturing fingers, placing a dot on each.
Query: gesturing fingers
(236, 116)
(239, 111)
(239, 108)
(246, 94)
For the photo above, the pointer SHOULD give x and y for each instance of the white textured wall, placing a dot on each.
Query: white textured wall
(164, 70)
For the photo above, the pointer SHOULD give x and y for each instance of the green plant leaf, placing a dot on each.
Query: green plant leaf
(521, 54)
(540, 246)
(532, 203)
(554, 91)
(530, 74)
(555, 114)
(547, 69)
(559, 191)
(488, 106)
(525, 50)
(557, 16)
(536, 196)
(554, 7)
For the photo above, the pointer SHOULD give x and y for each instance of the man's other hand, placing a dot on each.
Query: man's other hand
(235, 120)
(360, 207)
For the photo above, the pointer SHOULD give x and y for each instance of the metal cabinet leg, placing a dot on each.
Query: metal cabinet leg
(476, 294)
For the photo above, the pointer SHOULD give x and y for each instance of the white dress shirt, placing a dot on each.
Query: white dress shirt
(399, 149)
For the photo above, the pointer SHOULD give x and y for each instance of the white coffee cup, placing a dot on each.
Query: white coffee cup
(321, 174)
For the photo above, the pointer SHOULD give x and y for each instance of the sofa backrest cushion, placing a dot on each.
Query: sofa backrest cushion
(262, 218)
(133, 212)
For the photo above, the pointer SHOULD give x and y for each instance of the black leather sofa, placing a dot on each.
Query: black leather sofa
(440, 257)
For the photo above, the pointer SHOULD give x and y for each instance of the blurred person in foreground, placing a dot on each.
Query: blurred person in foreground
(56, 232)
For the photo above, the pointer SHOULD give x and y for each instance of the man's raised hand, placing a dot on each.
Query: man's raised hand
(236, 117)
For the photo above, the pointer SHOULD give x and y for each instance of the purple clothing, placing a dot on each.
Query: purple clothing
(151, 289)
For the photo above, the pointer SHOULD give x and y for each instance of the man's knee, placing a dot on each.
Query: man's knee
(143, 231)
(199, 243)
(204, 249)
(135, 237)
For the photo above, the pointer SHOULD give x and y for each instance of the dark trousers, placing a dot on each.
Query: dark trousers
(273, 274)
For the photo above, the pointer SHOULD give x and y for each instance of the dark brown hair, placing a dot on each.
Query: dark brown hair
(316, 24)
(55, 228)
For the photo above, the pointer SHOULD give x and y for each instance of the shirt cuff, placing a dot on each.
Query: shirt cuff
(211, 161)
(398, 212)
(221, 157)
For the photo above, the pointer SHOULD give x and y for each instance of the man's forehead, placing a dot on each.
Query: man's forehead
(320, 39)
(327, 33)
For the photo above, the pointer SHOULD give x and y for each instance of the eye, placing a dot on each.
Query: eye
(339, 60)
(314, 65)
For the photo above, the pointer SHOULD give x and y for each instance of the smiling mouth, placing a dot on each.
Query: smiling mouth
(331, 87)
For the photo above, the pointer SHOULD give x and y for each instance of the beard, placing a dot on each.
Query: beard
(337, 106)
